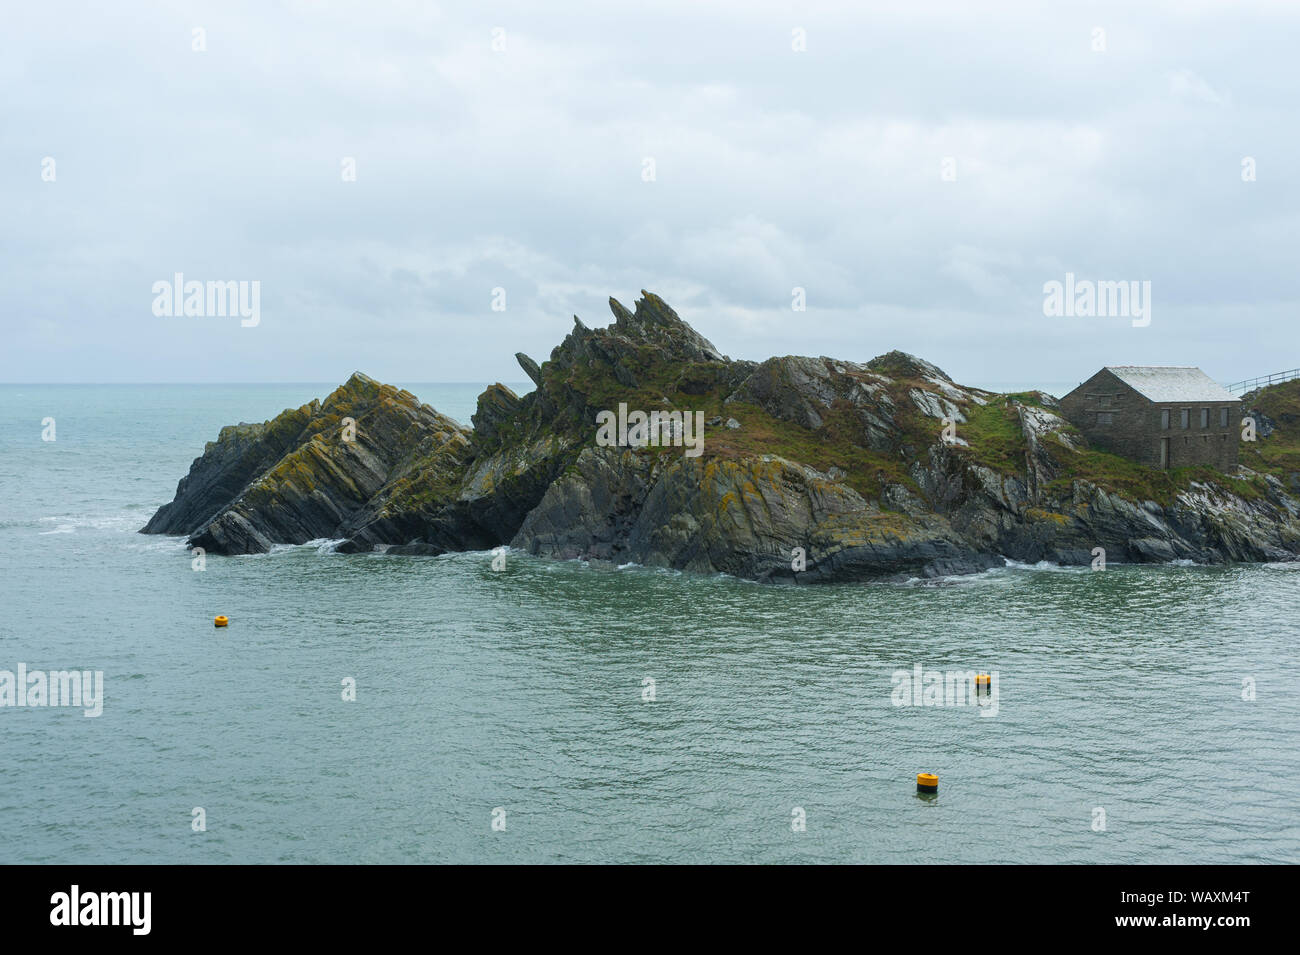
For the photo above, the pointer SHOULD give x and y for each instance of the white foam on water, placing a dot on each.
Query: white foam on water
(950, 580)
(1048, 565)
(154, 542)
(325, 545)
(70, 523)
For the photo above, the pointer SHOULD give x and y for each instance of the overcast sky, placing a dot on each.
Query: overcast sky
(525, 169)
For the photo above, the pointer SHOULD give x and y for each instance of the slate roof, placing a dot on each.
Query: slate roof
(1162, 383)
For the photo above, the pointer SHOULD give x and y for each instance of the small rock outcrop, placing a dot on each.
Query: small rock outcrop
(809, 470)
(530, 367)
(308, 473)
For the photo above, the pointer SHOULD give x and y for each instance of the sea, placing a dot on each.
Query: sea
(500, 708)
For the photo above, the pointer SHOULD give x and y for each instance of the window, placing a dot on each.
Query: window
(1205, 417)
(1164, 420)
(1105, 417)
(1187, 418)
(1223, 417)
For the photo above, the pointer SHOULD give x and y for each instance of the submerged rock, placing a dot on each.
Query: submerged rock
(812, 470)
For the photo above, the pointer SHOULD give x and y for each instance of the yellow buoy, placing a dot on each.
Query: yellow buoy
(927, 783)
(220, 621)
(983, 684)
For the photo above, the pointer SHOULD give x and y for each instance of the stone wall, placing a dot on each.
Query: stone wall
(1115, 417)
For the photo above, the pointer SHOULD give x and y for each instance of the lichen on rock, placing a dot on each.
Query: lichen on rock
(813, 470)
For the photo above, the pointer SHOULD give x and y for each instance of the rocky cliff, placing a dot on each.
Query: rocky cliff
(809, 469)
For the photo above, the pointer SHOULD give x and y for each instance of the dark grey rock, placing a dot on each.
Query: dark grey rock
(530, 367)
(414, 482)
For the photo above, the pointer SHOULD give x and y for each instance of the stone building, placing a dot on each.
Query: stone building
(1159, 416)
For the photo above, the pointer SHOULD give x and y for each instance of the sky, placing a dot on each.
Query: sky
(919, 170)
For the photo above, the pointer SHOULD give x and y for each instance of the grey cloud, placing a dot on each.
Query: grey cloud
(522, 169)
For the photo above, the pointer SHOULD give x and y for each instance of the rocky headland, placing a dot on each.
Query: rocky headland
(843, 463)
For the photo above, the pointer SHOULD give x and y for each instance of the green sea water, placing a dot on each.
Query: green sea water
(521, 694)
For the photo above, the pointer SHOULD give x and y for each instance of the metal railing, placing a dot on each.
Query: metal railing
(1241, 387)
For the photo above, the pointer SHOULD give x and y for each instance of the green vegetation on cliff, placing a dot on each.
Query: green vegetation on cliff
(872, 468)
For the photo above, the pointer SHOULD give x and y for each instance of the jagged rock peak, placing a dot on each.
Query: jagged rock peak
(302, 475)
(899, 364)
(530, 368)
(361, 388)
(360, 383)
(844, 460)
(655, 323)
(498, 403)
